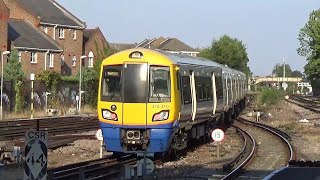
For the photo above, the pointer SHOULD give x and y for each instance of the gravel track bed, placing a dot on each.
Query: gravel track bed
(202, 162)
(271, 153)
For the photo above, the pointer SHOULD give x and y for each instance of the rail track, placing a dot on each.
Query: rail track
(310, 104)
(103, 168)
(14, 130)
(243, 158)
(61, 130)
(242, 161)
(277, 132)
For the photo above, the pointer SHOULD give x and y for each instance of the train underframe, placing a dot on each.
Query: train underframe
(148, 142)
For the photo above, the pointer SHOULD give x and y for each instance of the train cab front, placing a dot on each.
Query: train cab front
(136, 108)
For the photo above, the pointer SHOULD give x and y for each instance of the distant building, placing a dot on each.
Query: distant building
(172, 45)
(116, 47)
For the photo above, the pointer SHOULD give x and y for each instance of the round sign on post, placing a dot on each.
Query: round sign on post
(99, 135)
(217, 135)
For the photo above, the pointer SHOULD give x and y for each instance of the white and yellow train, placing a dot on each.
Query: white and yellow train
(153, 101)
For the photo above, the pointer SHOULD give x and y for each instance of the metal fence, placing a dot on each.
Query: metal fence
(66, 94)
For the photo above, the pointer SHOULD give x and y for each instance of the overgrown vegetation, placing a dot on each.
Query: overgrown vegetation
(51, 79)
(89, 85)
(269, 97)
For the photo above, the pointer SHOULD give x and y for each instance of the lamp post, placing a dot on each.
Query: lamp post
(32, 79)
(80, 79)
(2, 55)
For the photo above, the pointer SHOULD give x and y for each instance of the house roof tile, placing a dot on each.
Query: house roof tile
(51, 12)
(24, 34)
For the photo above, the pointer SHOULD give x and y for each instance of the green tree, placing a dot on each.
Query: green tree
(296, 73)
(310, 45)
(13, 69)
(278, 70)
(100, 56)
(229, 51)
(13, 72)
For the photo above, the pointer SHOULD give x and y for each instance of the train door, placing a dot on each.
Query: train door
(225, 90)
(214, 93)
(219, 89)
(230, 89)
(186, 112)
(193, 95)
(135, 94)
(237, 87)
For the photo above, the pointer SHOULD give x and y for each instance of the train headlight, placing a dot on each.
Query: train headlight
(107, 114)
(160, 116)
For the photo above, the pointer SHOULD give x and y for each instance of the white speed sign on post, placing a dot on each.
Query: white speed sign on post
(217, 135)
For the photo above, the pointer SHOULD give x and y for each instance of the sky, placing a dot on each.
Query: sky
(269, 29)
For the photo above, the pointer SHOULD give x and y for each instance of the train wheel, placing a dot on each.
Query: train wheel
(228, 117)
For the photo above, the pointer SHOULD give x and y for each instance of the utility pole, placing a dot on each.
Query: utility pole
(284, 68)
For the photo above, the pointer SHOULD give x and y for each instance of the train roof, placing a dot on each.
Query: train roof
(183, 59)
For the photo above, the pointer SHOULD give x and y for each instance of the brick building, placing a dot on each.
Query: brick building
(94, 45)
(36, 50)
(58, 23)
(47, 36)
(4, 16)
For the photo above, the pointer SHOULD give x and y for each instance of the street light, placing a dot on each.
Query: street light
(82, 57)
(4, 53)
(32, 78)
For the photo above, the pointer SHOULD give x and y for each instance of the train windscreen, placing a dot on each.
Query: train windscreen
(159, 84)
(135, 82)
(130, 83)
(111, 83)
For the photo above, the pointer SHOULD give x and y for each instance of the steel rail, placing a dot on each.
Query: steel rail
(94, 169)
(277, 132)
(238, 169)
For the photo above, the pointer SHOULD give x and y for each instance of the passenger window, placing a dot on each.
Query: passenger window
(199, 92)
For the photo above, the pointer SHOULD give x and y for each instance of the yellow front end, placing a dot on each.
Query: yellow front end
(139, 101)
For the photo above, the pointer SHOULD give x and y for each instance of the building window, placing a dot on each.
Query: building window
(51, 60)
(74, 61)
(19, 56)
(62, 59)
(61, 33)
(45, 29)
(34, 57)
(90, 60)
(74, 34)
